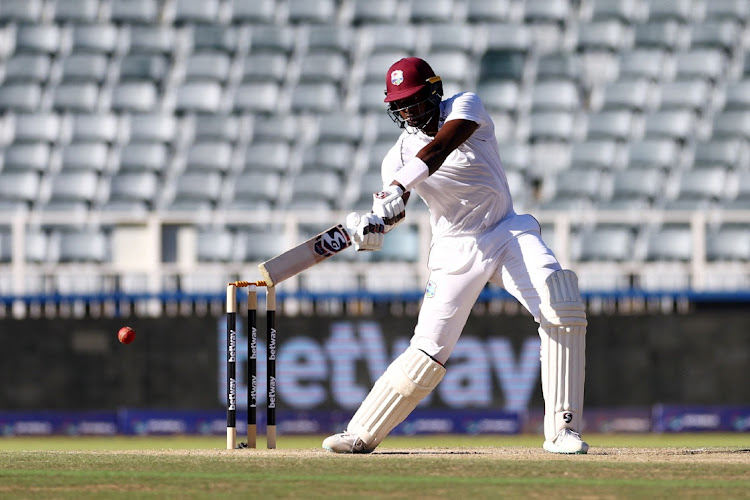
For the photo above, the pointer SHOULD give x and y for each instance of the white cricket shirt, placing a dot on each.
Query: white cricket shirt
(469, 193)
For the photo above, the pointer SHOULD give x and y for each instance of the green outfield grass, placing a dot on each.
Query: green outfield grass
(617, 466)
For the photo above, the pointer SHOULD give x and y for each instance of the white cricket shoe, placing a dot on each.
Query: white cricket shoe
(567, 441)
(345, 442)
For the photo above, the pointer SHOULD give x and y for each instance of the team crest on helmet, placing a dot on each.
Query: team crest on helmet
(397, 77)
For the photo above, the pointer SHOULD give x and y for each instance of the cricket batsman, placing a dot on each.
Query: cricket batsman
(448, 155)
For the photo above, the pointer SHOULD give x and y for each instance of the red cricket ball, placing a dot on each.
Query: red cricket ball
(126, 335)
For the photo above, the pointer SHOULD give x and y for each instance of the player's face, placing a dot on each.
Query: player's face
(414, 110)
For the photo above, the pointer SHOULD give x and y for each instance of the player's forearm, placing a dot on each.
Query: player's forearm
(451, 136)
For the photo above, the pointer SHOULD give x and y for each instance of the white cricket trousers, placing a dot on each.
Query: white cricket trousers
(512, 255)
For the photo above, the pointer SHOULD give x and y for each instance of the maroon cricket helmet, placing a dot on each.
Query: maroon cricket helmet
(406, 77)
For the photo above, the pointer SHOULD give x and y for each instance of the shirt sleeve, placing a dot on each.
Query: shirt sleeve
(468, 106)
(391, 164)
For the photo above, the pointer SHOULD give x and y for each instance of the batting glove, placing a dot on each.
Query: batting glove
(367, 231)
(389, 205)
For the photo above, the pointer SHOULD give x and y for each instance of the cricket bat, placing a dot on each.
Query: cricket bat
(305, 255)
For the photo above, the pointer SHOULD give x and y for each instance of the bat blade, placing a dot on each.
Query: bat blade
(305, 255)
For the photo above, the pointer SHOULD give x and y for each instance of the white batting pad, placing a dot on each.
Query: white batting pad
(563, 352)
(410, 378)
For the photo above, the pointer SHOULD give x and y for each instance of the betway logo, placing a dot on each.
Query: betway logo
(339, 370)
(232, 349)
(272, 393)
(232, 394)
(272, 345)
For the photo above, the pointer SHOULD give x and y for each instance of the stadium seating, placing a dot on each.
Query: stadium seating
(199, 109)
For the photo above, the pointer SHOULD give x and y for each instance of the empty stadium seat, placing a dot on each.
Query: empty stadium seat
(95, 38)
(199, 97)
(324, 67)
(259, 243)
(18, 189)
(257, 185)
(76, 97)
(626, 11)
(196, 11)
(329, 38)
(27, 11)
(630, 95)
(718, 153)
(73, 191)
(693, 95)
(152, 127)
(85, 156)
(136, 188)
(670, 243)
(209, 156)
(553, 95)
(38, 38)
(708, 64)
(731, 124)
(151, 38)
(322, 188)
(677, 125)
(607, 243)
(254, 11)
(721, 35)
(502, 65)
(514, 156)
(551, 126)
(653, 154)
(27, 68)
(677, 10)
(664, 35)
(217, 127)
(365, 11)
(328, 156)
(260, 97)
(271, 39)
(26, 156)
(95, 127)
(78, 11)
(20, 97)
(500, 95)
(214, 38)
(599, 155)
(610, 125)
(315, 97)
(267, 156)
(450, 37)
(737, 97)
(36, 127)
(84, 246)
(196, 191)
(573, 189)
(634, 188)
(558, 66)
(340, 127)
(699, 188)
(487, 11)
(215, 245)
(729, 242)
(135, 12)
(607, 35)
(208, 66)
(134, 97)
(312, 11)
(391, 38)
(144, 156)
(642, 63)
